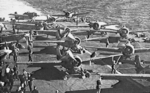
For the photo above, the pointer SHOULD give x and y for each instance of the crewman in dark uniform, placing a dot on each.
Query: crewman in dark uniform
(98, 85)
(30, 46)
(13, 22)
(15, 52)
(15, 72)
(30, 79)
(138, 64)
(11, 79)
(16, 17)
(113, 67)
(107, 42)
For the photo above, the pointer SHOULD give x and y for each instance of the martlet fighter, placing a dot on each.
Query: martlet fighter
(97, 28)
(24, 16)
(70, 14)
(65, 39)
(126, 49)
(111, 38)
(102, 28)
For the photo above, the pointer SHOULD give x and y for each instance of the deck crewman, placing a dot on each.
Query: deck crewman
(113, 66)
(98, 85)
(30, 79)
(138, 64)
(107, 42)
(15, 51)
(13, 22)
(30, 46)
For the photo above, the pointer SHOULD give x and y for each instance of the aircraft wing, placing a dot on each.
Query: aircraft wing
(59, 15)
(95, 39)
(25, 23)
(138, 50)
(13, 37)
(48, 32)
(105, 49)
(24, 26)
(19, 15)
(106, 30)
(103, 57)
(79, 32)
(82, 26)
(81, 14)
(112, 27)
(124, 76)
(6, 42)
(48, 41)
(135, 32)
(84, 60)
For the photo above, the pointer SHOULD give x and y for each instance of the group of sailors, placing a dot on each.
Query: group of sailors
(14, 46)
(9, 75)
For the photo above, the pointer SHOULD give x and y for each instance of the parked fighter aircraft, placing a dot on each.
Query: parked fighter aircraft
(103, 28)
(114, 39)
(55, 30)
(38, 26)
(24, 16)
(126, 49)
(123, 31)
(70, 14)
(66, 40)
(97, 28)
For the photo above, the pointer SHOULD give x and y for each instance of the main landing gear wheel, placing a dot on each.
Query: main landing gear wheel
(78, 40)
(78, 61)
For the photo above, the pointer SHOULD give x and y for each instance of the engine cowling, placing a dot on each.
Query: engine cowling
(123, 32)
(67, 14)
(128, 50)
(98, 25)
(78, 61)
(69, 61)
